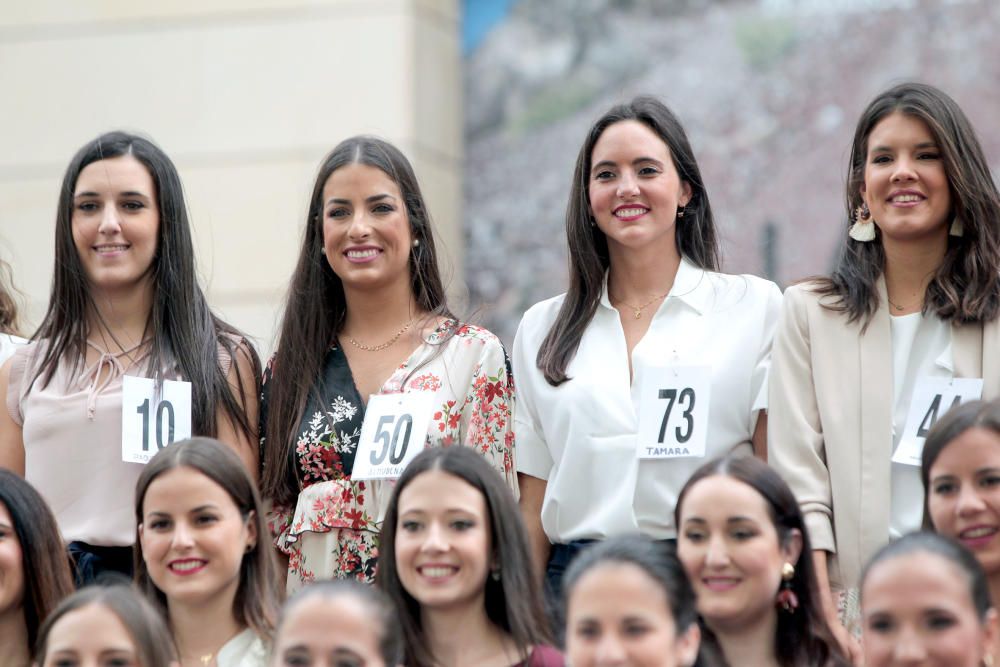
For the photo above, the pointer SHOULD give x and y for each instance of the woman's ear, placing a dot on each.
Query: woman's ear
(687, 644)
(792, 548)
(252, 536)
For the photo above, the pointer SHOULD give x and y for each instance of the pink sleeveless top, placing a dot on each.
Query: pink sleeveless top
(72, 433)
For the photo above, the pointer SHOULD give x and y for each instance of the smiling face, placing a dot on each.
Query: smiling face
(933, 624)
(729, 546)
(11, 566)
(905, 184)
(366, 231)
(193, 537)
(634, 189)
(963, 497)
(321, 632)
(619, 615)
(443, 543)
(115, 223)
(91, 636)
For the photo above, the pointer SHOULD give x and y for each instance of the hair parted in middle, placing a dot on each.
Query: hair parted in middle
(315, 305)
(966, 287)
(257, 595)
(802, 638)
(589, 259)
(513, 603)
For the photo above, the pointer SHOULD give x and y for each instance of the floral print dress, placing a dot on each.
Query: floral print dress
(332, 532)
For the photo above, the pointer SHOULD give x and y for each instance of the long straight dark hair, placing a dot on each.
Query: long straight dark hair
(184, 330)
(257, 598)
(513, 603)
(801, 638)
(966, 287)
(588, 247)
(315, 306)
(44, 559)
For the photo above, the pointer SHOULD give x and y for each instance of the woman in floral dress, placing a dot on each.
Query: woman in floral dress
(367, 315)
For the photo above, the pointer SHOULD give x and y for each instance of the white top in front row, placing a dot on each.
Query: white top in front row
(582, 435)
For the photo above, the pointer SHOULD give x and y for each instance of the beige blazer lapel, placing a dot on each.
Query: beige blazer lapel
(876, 426)
(991, 360)
(967, 350)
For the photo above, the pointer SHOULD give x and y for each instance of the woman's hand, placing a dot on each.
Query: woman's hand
(849, 644)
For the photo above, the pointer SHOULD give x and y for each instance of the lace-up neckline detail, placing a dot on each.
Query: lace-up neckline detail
(117, 363)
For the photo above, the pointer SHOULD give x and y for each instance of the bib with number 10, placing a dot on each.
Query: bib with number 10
(932, 397)
(673, 412)
(393, 433)
(151, 420)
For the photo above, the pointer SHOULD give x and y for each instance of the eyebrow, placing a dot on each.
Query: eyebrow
(611, 163)
(732, 519)
(127, 193)
(887, 149)
(369, 200)
(200, 508)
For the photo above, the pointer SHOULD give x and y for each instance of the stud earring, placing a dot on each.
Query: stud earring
(681, 210)
(495, 574)
(416, 243)
(863, 228)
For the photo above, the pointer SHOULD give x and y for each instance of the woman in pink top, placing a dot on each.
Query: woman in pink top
(125, 302)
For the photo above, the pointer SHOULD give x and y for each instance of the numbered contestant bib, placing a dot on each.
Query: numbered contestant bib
(932, 397)
(393, 433)
(673, 412)
(151, 421)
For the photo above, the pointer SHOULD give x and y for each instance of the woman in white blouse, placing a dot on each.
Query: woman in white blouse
(651, 363)
(866, 359)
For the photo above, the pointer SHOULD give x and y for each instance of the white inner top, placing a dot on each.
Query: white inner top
(921, 347)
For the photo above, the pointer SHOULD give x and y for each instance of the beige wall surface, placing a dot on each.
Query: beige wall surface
(246, 96)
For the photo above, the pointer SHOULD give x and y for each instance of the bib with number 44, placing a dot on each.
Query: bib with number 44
(152, 420)
(932, 397)
(673, 412)
(393, 433)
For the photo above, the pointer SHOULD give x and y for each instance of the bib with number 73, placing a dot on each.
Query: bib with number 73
(673, 412)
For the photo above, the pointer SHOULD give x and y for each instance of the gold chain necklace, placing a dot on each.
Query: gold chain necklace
(894, 304)
(638, 309)
(382, 346)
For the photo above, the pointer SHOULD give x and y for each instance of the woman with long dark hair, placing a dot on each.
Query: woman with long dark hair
(960, 471)
(203, 558)
(745, 547)
(34, 568)
(125, 301)
(367, 317)
(911, 305)
(454, 559)
(617, 377)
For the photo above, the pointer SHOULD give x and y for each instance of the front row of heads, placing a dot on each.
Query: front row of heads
(629, 597)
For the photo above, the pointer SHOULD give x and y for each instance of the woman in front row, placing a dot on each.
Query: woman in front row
(651, 362)
(744, 545)
(914, 300)
(204, 558)
(454, 560)
(367, 315)
(924, 601)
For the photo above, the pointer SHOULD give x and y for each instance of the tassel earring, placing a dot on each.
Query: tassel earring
(957, 228)
(786, 598)
(863, 228)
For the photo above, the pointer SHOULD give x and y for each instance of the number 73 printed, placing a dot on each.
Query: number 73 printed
(673, 412)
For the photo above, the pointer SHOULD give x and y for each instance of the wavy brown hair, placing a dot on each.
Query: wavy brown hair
(513, 603)
(257, 595)
(9, 323)
(588, 247)
(966, 286)
(44, 559)
(315, 307)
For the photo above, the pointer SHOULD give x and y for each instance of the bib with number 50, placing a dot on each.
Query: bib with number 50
(673, 412)
(152, 420)
(393, 433)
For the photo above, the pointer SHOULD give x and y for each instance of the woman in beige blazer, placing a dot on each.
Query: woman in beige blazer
(915, 293)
